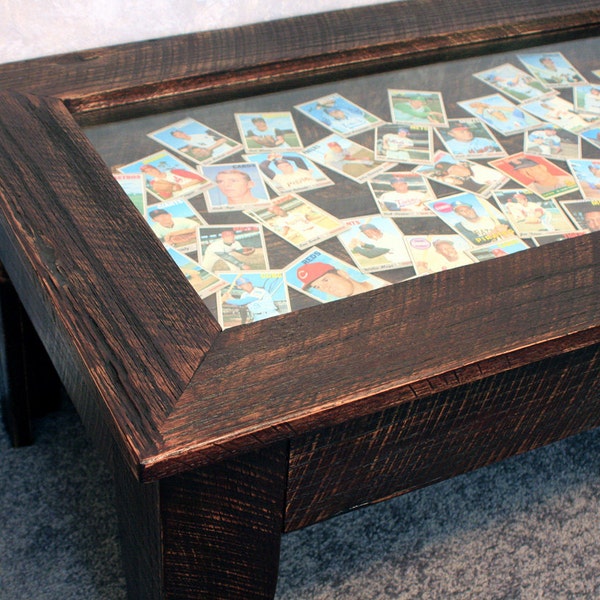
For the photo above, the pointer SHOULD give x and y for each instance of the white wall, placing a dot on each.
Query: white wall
(33, 28)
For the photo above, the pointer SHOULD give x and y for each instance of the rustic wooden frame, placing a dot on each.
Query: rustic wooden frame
(175, 401)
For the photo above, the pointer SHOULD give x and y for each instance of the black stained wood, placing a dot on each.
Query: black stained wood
(161, 74)
(443, 435)
(213, 533)
(337, 361)
(74, 247)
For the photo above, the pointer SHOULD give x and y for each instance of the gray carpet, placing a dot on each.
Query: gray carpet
(526, 529)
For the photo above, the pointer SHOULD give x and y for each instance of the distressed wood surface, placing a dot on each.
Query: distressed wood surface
(94, 279)
(448, 433)
(106, 83)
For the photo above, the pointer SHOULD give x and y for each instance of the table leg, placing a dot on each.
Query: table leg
(30, 385)
(212, 533)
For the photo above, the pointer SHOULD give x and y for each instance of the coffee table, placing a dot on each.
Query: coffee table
(222, 440)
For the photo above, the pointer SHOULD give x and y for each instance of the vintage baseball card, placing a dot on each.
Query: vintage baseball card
(434, 253)
(195, 141)
(473, 218)
(469, 138)
(298, 221)
(464, 175)
(587, 175)
(537, 174)
(585, 214)
(529, 214)
(498, 249)
(586, 98)
(401, 194)
(592, 136)
(499, 113)
(264, 131)
(204, 282)
(550, 238)
(339, 115)
(167, 177)
(175, 223)
(251, 296)
(404, 143)
(551, 68)
(134, 186)
(552, 142)
(237, 186)
(326, 278)
(289, 171)
(226, 248)
(562, 113)
(417, 107)
(513, 82)
(375, 243)
(346, 158)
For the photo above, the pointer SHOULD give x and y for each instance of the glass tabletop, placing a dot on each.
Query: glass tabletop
(277, 202)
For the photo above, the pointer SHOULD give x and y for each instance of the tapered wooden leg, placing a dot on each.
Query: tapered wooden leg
(30, 385)
(213, 533)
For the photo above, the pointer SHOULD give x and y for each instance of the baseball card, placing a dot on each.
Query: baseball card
(513, 82)
(586, 98)
(134, 186)
(375, 244)
(167, 177)
(175, 223)
(404, 143)
(463, 175)
(195, 141)
(346, 158)
(537, 174)
(499, 113)
(473, 218)
(417, 107)
(434, 253)
(237, 186)
(339, 115)
(550, 238)
(265, 131)
(402, 194)
(551, 68)
(592, 136)
(585, 214)
(204, 282)
(552, 142)
(326, 278)
(226, 248)
(298, 221)
(562, 113)
(469, 138)
(289, 171)
(498, 249)
(529, 214)
(251, 296)
(587, 175)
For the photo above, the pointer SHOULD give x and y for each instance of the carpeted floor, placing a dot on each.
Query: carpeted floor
(525, 529)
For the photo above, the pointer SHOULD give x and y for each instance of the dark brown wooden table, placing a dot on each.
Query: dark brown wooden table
(220, 441)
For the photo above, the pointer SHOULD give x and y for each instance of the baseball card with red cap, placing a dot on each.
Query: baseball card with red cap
(375, 244)
(289, 171)
(411, 144)
(537, 173)
(298, 221)
(346, 158)
(251, 296)
(338, 114)
(227, 248)
(401, 194)
(326, 278)
(470, 138)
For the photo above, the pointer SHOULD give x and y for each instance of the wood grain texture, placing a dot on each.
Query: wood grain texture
(213, 533)
(94, 279)
(329, 363)
(166, 73)
(443, 435)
